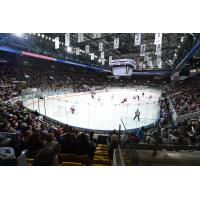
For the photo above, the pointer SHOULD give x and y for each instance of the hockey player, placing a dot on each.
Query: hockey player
(124, 100)
(137, 114)
(72, 109)
(138, 97)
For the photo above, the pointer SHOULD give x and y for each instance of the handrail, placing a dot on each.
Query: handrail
(123, 124)
(121, 156)
(114, 158)
(166, 147)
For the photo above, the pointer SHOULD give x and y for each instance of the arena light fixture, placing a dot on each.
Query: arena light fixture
(43, 35)
(19, 34)
(49, 38)
(38, 34)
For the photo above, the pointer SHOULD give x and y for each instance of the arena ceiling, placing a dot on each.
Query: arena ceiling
(174, 46)
(171, 42)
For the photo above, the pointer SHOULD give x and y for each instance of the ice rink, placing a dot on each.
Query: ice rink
(105, 111)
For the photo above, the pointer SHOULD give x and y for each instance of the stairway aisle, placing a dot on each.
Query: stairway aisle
(101, 157)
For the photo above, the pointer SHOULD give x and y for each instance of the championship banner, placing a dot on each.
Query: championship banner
(137, 39)
(87, 48)
(144, 66)
(77, 51)
(80, 37)
(159, 53)
(92, 56)
(103, 61)
(159, 62)
(57, 43)
(146, 58)
(142, 49)
(102, 55)
(100, 46)
(116, 43)
(67, 39)
(158, 38)
(110, 59)
(158, 47)
(140, 65)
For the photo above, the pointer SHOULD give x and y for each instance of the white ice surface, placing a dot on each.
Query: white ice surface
(105, 114)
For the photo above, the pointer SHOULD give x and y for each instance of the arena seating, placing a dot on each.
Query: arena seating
(69, 158)
(17, 119)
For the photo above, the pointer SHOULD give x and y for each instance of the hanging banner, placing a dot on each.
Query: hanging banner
(158, 47)
(140, 65)
(116, 43)
(158, 38)
(137, 39)
(110, 59)
(159, 53)
(103, 61)
(67, 39)
(92, 56)
(87, 48)
(57, 43)
(80, 37)
(144, 66)
(102, 54)
(146, 58)
(142, 49)
(77, 51)
(159, 62)
(100, 46)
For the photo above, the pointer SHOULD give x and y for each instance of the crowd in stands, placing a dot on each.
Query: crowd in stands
(167, 132)
(33, 135)
(185, 96)
(43, 142)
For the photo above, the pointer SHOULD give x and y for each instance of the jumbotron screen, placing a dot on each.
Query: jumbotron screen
(122, 71)
(122, 67)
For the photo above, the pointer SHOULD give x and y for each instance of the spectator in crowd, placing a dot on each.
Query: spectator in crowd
(68, 144)
(34, 144)
(84, 146)
(45, 157)
(51, 143)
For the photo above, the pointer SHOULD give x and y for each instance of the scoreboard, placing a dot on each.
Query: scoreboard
(122, 67)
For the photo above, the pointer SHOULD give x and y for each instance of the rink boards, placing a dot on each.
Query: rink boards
(103, 113)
